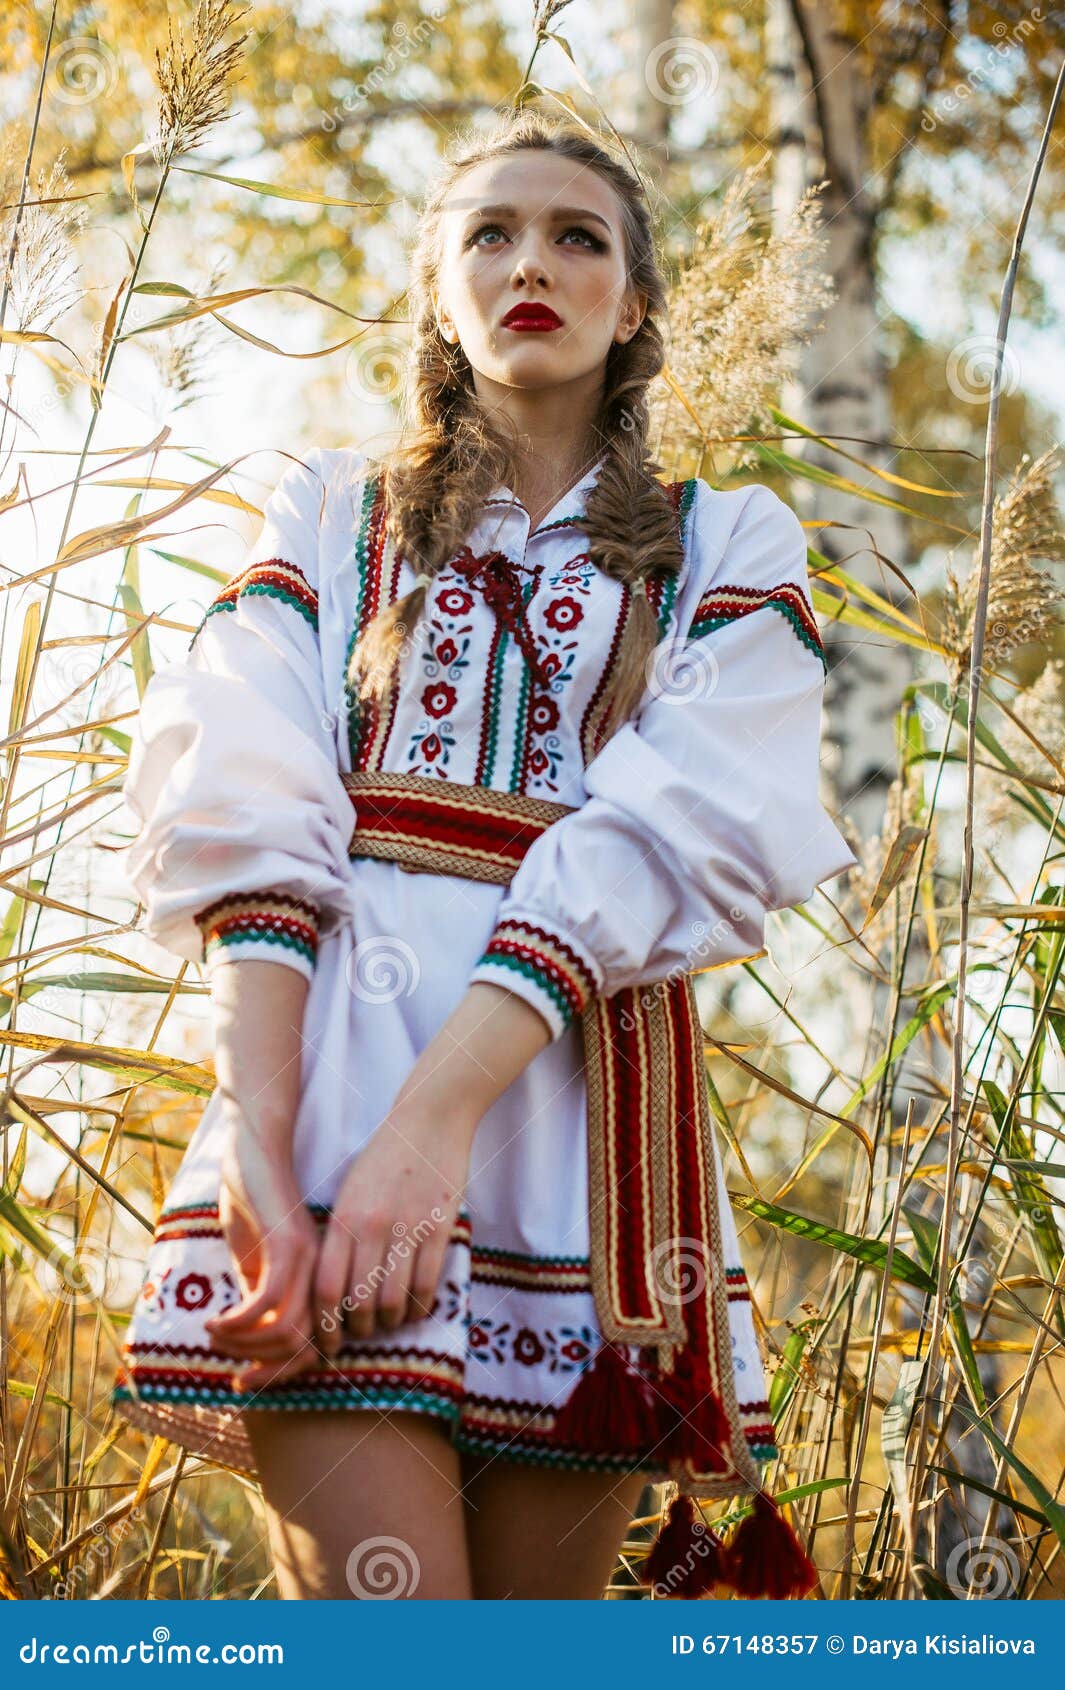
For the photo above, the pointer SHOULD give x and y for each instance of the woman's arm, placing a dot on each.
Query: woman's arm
(383, 1252)
(490, 1038)
(258, 1008)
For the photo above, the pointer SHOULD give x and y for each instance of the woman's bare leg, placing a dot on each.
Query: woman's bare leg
(537, 1533)
(361, 1504)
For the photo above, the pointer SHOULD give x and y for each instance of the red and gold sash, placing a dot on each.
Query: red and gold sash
(657, 1262)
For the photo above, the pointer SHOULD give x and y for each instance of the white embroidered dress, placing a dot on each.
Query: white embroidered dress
(696, 818)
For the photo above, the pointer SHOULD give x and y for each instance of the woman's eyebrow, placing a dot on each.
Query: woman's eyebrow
(557, 213)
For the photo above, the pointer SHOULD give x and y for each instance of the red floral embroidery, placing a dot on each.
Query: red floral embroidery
(454, 601)
(574, 1350)
(438, 699)
(432, 747)
(563, 614)
(552, 664)
(527, 1347)
(543, 714)
(193, 1291)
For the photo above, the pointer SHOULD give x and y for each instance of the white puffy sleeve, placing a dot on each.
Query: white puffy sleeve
(702, 812)
(233, 777)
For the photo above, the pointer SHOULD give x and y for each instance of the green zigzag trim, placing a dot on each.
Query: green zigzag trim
(698, 629)
(267, 591)
(479, 1445)
(274, 938)
(523, 700)
(354, 706)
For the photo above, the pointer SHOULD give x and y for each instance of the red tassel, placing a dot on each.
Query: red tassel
(700, 1429)
(765, 1558)
(686, 1558)
(611, 1408)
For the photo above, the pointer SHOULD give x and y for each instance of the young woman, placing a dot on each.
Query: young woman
(479, 757)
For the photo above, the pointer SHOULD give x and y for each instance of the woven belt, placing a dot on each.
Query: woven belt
(657, 1264)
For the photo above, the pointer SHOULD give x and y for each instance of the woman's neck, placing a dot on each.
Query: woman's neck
(540, 483)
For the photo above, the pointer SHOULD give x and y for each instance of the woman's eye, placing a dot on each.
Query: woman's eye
(594, 243)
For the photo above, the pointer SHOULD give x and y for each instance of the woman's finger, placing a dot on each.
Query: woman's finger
(259, 1376)
(393, 1296)
(277, 1331)
(269, 1344)
(361, 1300)
(327, 1289)
(425, 1280)
(292, 1350)
(275, 1289)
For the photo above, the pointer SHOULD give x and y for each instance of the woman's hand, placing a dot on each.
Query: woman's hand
(380, 1259)
(391, 1224)
(274, 1243)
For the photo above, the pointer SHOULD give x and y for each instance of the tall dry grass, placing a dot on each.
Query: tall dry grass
(915, 1367)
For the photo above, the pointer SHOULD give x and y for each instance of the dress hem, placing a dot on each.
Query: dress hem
(212, 1430)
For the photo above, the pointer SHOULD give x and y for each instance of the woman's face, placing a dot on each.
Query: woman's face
(534, 229)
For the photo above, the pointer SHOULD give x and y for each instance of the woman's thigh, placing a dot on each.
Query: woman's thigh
(361, 1504)
(537, 1533)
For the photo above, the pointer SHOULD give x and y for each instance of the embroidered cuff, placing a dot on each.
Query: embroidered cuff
(553, 973)
(266, 924)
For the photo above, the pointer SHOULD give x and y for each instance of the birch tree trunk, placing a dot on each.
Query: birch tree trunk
(823, 115)
(822, 104)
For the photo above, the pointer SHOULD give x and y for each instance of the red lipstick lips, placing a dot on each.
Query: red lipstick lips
(528, 316)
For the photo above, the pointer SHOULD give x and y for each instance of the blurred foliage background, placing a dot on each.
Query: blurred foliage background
(205, 212)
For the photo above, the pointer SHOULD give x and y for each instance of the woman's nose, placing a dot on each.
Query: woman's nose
(529, 263)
